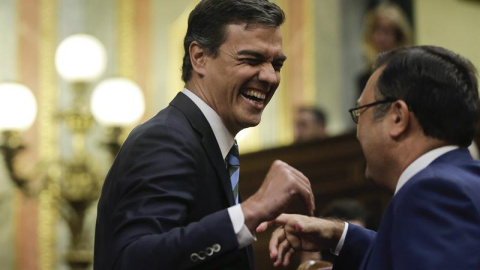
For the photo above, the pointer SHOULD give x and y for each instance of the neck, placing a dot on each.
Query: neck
(407, 152)
(195, 87)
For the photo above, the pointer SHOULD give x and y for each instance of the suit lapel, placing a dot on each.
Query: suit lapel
(209, 142)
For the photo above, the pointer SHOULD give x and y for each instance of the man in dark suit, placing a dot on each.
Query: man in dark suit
(169, 201)
(416, 116)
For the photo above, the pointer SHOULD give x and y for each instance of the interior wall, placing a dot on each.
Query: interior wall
(453, 24)
(339, 60)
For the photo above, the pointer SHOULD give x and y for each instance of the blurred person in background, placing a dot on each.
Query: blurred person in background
(386, 28)
(310, 124)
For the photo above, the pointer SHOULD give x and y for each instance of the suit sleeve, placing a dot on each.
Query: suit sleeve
(357, 242)
(437, 227)
(157, 181)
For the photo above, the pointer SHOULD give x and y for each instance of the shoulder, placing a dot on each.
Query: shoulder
(169, 125)
(444, 177)
(441, 189)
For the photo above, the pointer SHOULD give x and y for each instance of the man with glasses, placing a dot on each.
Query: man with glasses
(416, 116)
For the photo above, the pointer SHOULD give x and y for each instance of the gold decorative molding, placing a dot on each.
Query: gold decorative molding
(48, 152)
(143, 30)
(127, 57)
(176, 32)
(308, 32)
(126, 39)
(17, 213)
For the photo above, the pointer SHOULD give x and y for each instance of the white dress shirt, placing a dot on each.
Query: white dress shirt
(415, 167)
(225, 140)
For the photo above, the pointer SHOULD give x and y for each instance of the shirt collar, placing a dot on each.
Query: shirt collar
(224, 139)
(421, 163)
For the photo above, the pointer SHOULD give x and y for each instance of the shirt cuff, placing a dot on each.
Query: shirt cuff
(341, 241)
(244, 236)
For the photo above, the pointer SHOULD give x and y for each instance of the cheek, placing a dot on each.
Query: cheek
(365, 144)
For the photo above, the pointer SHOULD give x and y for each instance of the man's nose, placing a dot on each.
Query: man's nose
(269, 75)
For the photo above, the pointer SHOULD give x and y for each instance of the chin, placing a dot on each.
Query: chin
(379, 181)
(250, 124)
(252, 120)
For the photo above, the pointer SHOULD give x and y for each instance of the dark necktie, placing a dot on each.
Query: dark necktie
(233, 166)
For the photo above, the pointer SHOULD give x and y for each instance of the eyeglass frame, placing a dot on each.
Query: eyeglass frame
(355, 114)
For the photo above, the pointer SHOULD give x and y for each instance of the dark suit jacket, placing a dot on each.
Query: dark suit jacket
(164, 201)
(432, 223)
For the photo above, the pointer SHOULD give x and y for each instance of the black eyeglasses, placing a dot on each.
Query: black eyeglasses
(355, 112)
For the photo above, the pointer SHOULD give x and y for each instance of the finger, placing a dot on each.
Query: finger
(288, 256)
(283, 248)
(294, 173)
(299, 175)
(303, 189)
(306, 194)
(309, 199)
(283, 219)
(277, 237)
(264, 226)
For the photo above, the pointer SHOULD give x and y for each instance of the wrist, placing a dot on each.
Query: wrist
(252, 215)
(336, 233)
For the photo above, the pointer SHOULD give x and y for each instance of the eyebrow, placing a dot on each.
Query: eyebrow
(256, 54)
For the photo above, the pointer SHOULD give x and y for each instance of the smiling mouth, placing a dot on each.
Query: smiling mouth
(255, 96)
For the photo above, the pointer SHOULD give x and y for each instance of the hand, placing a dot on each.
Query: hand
(280, 186)
(301, 233)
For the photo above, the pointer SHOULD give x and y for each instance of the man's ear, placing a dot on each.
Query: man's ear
(399, 118)
(197, 57)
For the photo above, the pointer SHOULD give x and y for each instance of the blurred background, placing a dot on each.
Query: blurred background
(77, 75)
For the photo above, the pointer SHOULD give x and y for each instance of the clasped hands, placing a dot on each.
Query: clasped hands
(264, 208)
(300, 233)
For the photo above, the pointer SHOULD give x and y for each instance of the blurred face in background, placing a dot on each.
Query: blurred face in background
(307, 128)
(384, 35)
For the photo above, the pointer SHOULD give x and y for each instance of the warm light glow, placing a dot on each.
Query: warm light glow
(117, 102)
(18, 107)
(80, 58)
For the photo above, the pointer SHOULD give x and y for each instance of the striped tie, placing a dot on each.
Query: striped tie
(233, 165)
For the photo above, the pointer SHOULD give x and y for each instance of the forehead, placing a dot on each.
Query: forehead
(368, 94)
(385, 22)
(266, 40)
(306, 114)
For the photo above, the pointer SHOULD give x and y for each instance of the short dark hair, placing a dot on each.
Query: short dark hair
(439, 87)
(208, 20)
(318, 113)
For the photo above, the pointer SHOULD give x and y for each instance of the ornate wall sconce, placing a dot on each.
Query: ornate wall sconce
(116, 103)
(18, 109)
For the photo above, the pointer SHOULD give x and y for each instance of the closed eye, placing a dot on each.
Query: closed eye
(251, 61)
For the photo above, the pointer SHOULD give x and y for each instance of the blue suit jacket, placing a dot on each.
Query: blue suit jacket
(432, 223)
(163, 203)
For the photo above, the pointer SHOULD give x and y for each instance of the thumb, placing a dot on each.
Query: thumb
(264, 226)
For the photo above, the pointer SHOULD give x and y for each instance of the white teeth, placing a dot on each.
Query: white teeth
(256, 94)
